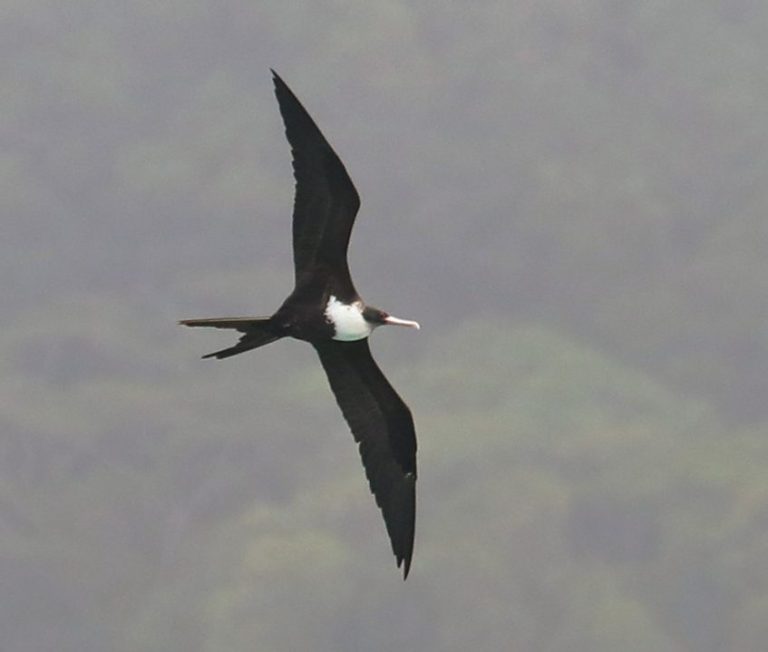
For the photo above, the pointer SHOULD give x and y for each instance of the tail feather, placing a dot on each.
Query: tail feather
(258, 332)
(242, 346)
(242, 324)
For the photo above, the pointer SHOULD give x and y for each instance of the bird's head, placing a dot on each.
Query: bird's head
(377, 317)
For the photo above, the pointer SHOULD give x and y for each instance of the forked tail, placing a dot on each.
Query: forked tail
(258, 331)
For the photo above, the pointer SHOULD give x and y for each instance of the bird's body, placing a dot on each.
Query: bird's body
(325, 310)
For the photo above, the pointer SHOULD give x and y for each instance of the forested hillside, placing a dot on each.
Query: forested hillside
(568, 196)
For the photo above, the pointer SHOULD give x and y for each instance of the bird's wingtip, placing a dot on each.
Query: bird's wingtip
(406, 563)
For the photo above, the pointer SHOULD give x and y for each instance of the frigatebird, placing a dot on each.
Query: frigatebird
(325, 310)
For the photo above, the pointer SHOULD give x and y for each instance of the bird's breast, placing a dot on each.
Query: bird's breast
(347, 320)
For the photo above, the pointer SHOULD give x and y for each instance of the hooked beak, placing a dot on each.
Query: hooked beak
(394, 321)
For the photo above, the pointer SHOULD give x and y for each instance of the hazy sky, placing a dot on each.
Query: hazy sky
(568, 196)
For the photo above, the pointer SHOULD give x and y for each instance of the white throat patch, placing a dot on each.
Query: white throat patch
(347, 320)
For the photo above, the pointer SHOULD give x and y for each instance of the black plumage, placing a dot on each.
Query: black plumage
(326, 310)
(383, 427)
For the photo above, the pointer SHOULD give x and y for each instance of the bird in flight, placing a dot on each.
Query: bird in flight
(325, 310)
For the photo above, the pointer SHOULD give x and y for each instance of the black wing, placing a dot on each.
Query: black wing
(382, 424)
(326, 200)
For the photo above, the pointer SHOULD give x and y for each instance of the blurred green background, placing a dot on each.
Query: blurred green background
(568, 195)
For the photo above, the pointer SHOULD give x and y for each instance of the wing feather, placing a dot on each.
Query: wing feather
(382, 425)
(326, 200)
